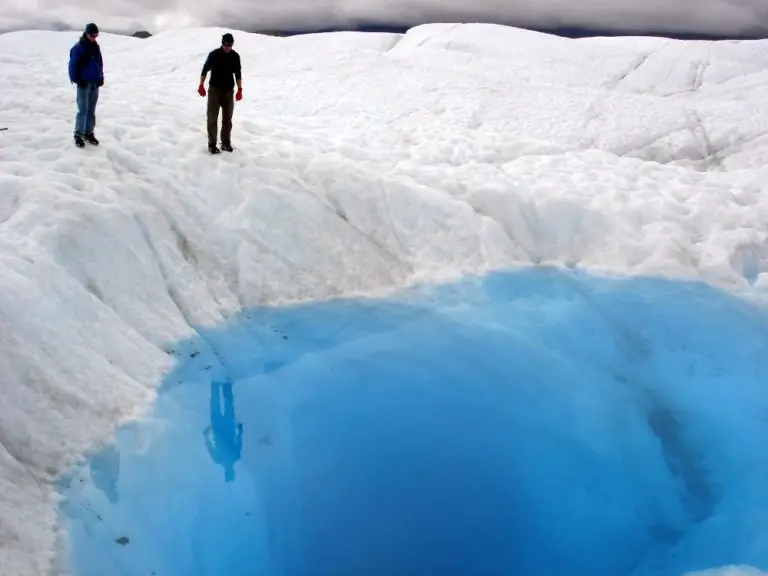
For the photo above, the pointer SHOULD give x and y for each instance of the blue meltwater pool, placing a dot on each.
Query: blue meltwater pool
(536, 423)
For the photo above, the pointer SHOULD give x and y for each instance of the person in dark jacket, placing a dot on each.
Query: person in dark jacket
(86, 69)
(224, 65)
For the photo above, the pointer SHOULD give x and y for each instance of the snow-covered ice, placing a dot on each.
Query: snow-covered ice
(363, 162)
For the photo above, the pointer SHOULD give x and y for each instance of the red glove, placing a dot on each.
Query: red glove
(239, 95)
(201, 90)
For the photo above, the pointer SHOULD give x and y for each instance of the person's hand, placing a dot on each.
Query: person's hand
(201, 90)
(239, 95)
(101, 82)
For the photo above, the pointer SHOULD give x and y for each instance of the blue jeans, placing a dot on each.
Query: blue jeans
(87, 96)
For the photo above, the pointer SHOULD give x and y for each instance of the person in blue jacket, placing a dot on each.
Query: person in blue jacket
(86, 69)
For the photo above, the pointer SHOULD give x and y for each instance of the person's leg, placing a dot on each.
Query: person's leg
(93, 90)
(227, 108)
(213, 115)
(92, 100)
(82, 112)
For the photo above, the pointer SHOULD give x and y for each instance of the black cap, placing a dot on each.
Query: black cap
(227, 39)
(92, 29)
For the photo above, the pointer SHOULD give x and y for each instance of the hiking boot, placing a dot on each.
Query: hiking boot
(212, 149)
(227, 147)
(91, 139)
(79, 142)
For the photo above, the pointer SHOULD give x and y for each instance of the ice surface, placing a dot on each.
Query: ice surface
(363, 162)
(538, 423)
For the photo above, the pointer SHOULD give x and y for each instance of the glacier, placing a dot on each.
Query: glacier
(365, 164)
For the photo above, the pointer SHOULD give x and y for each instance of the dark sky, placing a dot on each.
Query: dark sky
(718, 18)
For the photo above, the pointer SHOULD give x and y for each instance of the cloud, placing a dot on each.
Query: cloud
(706, 17)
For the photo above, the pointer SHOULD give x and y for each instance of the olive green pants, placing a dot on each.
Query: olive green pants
(223, 100)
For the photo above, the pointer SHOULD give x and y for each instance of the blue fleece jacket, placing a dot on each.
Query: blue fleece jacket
(85, 62)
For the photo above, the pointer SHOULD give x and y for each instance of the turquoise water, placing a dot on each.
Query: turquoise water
(537, 423)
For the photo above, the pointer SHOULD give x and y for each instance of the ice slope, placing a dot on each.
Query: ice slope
(363, 162)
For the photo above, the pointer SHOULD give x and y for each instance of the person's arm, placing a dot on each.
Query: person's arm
(238, 78)
(206, 68)
(74, 63)
(238, 73)
(101, 68)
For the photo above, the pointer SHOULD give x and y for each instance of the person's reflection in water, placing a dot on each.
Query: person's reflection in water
(224, 437)
(105, 471)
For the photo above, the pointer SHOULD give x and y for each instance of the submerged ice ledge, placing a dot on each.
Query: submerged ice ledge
(470, 428)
